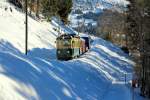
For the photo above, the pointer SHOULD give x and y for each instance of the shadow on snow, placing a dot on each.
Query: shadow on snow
(51, 79)
(85, 78)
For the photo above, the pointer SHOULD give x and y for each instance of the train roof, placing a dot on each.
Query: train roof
(67, 36)
(87, 38)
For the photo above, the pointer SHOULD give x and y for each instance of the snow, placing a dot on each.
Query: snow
(75, 22)
(15, 26)
(96, 75)
(87, 5)
(118, 88)
(95, 7)
(8, 86)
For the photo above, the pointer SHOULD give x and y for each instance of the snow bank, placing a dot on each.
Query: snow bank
(40, 76)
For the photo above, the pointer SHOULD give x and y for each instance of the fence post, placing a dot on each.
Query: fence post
(125, 78)
(132, 93)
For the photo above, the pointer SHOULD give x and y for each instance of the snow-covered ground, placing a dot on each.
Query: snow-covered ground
(99, 74)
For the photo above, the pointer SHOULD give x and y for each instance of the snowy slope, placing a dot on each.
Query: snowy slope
(96, 75)
(15, 27)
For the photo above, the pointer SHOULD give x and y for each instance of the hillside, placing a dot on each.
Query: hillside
(85, 13)
(103, 2)
(96, 75)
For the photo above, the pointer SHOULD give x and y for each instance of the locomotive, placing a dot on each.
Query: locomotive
(71, 46)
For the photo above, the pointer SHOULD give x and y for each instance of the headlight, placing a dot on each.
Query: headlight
(58, 51)
(68, 51)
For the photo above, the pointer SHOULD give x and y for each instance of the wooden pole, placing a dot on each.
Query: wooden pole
(26, 27)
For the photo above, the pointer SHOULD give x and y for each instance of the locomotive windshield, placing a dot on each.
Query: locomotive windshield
(64, 43)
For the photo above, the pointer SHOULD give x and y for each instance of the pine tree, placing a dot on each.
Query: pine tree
(38, 8)
(49, 8)
(60, 8)
(64, 9)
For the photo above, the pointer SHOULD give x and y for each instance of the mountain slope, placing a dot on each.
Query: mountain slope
(40, 76)
(103, 2)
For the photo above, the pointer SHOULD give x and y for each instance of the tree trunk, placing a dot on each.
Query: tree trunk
(37, 9)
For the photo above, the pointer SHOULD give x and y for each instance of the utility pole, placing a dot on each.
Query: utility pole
(26, 27)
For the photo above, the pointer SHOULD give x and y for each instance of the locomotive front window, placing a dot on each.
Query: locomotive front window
(66, 43)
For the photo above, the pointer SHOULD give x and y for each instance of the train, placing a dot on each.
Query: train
(70, 46)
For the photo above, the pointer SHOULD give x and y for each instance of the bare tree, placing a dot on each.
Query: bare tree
(111, 25)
